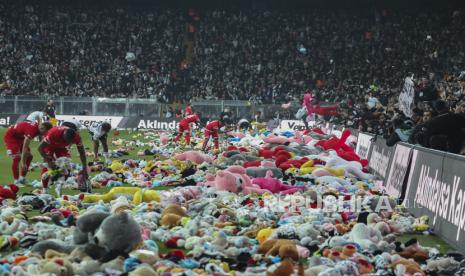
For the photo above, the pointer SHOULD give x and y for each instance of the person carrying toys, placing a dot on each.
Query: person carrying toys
(56, 144)
(184, 127)
(17, 139)
(211, 130)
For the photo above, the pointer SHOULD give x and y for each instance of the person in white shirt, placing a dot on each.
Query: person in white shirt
(99, 133)
(37, 116)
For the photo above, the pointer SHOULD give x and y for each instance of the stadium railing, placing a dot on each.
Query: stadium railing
(97, 106)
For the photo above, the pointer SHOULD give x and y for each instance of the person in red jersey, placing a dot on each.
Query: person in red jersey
(184, 127)
(211, 130)
(17, 139)
(188, 110)
(57, 143)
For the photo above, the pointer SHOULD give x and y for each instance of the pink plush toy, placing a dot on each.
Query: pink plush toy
(194, 156)
(234, 179)
(298, 138)
(274, 185)
(273, 139)
(164, 139)
(236, 134)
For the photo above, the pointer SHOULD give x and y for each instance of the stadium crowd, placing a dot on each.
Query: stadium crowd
(67, 51)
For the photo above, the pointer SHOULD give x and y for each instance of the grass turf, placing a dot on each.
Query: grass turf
(6, 177)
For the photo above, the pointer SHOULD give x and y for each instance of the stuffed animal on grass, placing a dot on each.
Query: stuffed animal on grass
(56, 266)
(274, 139)
(279, 247)
(235, 180)
(164, 138)
(402, 266)
(366, 237)
(172, 215)
(8, 192)
(261, 172)
(274, 185)
(136, 194)
(194, 156)
(103, 236)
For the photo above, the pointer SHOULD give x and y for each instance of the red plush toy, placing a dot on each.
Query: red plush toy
(265, 153)
(334, 143)
(250, 164)
(8, 192)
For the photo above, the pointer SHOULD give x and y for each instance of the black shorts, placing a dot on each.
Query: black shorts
(70, 125)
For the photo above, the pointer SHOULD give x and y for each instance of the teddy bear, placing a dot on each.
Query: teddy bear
(10, 225)
(402, 266)
(164, 138)
(56, 266)
(8, 192)
(442, 265)
(103, 236)
(194, 156)
(366, 237)
(172, 215)
(279, 247)
(234, 179)
(376, 222)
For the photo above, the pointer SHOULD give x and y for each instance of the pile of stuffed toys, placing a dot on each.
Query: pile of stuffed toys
(269, 204)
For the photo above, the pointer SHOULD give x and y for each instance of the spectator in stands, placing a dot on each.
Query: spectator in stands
(400, 132)
(446, 126)
(418, 132)
(169, 112)
(49, 110)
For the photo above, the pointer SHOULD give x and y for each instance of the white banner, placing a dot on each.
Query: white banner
(398, 170)
(88, 120)
(363, 145)
(406, 97)
(294, 125)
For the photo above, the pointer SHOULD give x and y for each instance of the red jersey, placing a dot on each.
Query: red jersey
(55, 139)
(188, 110)
(23, 130)
(213, 125)
(190, 119)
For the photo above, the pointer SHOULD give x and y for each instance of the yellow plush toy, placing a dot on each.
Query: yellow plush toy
(117, 167)
(421, 224)
(264, 234)
(149, 166)
(137, 194)
(336, 172)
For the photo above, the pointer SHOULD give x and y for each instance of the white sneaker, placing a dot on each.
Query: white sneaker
(20, 182)
(58, 189)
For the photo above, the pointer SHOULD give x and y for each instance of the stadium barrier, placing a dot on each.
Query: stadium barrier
(7, 120)
(136, 107)
(427, 182)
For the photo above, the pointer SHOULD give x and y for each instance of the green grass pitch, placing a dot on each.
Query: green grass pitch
(6, 177)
